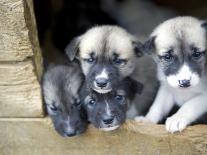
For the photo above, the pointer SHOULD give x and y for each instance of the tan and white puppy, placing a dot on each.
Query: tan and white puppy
(179, 47)
(107, 54)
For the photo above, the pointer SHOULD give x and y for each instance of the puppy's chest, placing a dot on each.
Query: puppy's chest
(182, 96)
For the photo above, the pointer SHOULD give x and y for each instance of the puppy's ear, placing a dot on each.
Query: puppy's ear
(138, 86)
(138, 48)
(204, 24)
(72, 48)
(134, 86)
(149, 45)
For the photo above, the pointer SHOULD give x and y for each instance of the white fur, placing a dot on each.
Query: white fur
(185, 73)
(103, 74)
(110, 128)
(102, 91)
(108, 111)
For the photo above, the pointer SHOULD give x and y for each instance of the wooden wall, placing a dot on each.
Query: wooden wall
(20, 61)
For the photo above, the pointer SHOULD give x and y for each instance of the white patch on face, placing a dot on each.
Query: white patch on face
(103, 74)
(108, 111)
(185, 73)
(69, 128)
(109, 128)
(102, 91)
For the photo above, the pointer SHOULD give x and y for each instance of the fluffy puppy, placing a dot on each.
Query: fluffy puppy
(107, 54)
(61, 85)
(178, 46)
(108, 111)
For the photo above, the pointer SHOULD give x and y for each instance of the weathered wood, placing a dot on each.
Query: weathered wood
(37, 136)
(21, 100)
(20, 61)
(14, 41)
(17, 73)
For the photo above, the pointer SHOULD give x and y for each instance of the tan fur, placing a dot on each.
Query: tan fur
(114, 39)
(170, 32)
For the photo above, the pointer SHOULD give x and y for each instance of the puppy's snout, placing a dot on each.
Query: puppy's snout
(70, 134)
(108, 120)
(184, 83)
(101, 82)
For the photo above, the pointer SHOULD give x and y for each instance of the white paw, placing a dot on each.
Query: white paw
(141, 119)
(176, 123)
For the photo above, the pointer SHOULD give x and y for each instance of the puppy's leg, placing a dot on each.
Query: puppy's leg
(188, 113)
(161, 107)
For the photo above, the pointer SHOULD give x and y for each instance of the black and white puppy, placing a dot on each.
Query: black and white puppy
(61, 85)
(179, 48)
(106, 54)
(108, 111)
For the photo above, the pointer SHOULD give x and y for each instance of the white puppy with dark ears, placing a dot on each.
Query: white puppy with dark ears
(178, 46)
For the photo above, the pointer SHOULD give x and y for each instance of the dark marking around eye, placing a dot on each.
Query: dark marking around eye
(196, 53)
(117, 60)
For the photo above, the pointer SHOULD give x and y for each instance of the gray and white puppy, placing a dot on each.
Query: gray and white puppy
(108, 111)
(178, 46)
(61, 85)
(107, 54)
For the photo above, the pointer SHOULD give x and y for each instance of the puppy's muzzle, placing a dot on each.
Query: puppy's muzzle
(101, 82)
(108, 120)
(184, 83)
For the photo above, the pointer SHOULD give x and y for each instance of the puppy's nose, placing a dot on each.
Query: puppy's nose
(101, 82)
(184, 83)
(108, 120)
(70, 134)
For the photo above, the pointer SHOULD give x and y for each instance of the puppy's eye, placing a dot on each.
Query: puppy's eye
(53, 108)
(91, 102)
(119, 97)
(90, 60)
(168, 57)
(118, 61)
(196, 54)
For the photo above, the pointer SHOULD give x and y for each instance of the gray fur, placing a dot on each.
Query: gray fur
(61, 84)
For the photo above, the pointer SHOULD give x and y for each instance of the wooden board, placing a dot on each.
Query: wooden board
(21, 100)
(37, 136)
(17, 73)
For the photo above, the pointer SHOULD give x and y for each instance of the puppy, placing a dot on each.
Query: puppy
(107, 54)
(178, 46)
(108, 111)
(61, 85)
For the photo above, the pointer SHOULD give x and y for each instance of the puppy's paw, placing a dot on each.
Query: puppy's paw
(142, 119)
(176, 123)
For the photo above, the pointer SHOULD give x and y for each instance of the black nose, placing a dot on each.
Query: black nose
(70, 134)
(108, 120)
(101, 82)
(184, 83)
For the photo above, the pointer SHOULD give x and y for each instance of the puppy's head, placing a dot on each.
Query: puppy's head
(60, 89)
(68, 119)
(108, 111)
(179, 48)
(106, 54)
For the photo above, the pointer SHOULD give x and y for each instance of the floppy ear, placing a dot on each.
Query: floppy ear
(134, 86)
(71, 49)
(138, 86)
(138, 48)
(149, 45)
(204, 25)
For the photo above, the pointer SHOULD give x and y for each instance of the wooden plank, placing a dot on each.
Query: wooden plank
(21, 100)
(17, 73)
(37, 136)
(15, 44)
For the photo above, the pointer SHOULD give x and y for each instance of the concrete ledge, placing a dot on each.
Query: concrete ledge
(37, 136)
